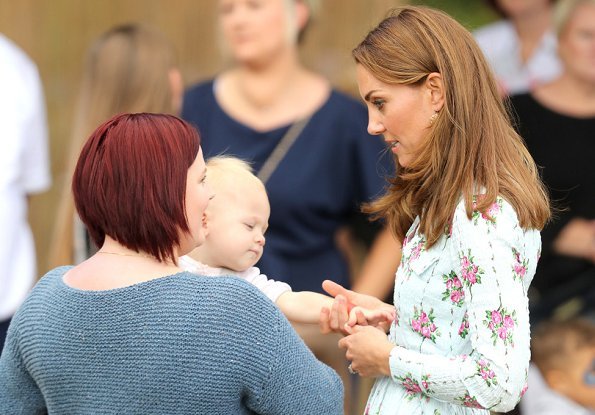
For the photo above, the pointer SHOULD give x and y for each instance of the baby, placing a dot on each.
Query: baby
(236, 221)
(562, 374)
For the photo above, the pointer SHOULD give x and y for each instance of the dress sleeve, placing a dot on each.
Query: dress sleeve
(297, 382)
(495, 260)
(19, 393)
(271, 288)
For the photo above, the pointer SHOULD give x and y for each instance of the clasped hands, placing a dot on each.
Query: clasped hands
(364, 320)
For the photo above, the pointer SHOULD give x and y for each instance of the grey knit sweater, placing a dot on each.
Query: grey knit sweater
(182, 344)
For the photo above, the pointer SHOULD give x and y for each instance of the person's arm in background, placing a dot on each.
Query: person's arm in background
(377, 274)
(577, 239)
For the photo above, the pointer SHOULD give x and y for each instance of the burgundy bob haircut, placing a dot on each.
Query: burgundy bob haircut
(130, 182)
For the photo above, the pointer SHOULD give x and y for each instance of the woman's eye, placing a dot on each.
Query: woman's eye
(203, 180)
(378, 103)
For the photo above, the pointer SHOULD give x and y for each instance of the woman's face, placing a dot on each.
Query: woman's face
(401, 113)
(197, 199)
(521, 8)
(576, 45)
(256, 30)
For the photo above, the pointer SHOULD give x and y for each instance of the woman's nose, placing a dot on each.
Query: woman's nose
(375, 127)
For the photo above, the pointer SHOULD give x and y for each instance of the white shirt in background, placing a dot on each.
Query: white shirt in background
(500, 44)
(24, 169)
(541, 400)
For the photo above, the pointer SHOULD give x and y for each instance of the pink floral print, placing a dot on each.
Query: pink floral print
(484, 370)
(459, 295)
(423, 323)
(470, 401)
(490, 214)
(519, 266)
(454, 289)
(464, 328)
(416, 250)
(470, 272)
(413, 388)
(501, 323)
(524, 390)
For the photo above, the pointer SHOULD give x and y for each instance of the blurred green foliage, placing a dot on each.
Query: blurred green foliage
(470, 13)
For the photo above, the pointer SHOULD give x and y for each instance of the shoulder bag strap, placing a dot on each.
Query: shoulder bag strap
(281, 149)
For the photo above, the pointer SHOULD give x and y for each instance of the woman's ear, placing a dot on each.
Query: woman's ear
(302, 14)
(435, 87)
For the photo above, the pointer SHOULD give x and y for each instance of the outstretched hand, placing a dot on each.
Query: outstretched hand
(360, 316)
(351, 308)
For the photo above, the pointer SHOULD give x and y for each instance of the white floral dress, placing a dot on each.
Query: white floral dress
(462, 326)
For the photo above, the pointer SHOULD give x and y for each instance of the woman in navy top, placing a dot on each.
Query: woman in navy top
(332, 167)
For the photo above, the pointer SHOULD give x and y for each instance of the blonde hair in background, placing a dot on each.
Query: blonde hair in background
(563, 12)
(127, 69)
(471, 144)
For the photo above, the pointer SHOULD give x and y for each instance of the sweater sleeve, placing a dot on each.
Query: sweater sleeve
(495, 261)
(297, 382)
(19, 393)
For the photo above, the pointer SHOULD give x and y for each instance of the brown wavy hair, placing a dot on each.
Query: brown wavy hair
(471, 146)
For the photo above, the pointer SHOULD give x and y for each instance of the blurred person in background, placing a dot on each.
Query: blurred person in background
(562, 373)
(521, 48)
(129, 68)
(557, 121)
(25, 170)
(306, 141)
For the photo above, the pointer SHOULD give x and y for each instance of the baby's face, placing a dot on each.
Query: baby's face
(237, 224)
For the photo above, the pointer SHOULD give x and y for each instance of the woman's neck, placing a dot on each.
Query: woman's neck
(263, 86)
(530, 29)
(264, 97)
(569, 95)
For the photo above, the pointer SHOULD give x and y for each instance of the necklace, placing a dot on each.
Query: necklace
(124, 254)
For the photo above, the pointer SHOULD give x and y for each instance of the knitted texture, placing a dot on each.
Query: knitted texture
(175, 345)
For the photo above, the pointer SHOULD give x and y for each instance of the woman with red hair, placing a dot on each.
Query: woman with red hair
(127, 331)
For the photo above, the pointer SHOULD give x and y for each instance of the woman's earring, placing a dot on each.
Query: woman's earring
(433, 118)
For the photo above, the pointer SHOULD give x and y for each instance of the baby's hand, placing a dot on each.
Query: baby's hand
(379, 318)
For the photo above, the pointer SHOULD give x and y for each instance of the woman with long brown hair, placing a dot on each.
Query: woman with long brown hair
(467, 204)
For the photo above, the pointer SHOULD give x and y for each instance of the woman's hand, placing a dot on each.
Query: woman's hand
(368, 349)
(338, 316)
(379, 318)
